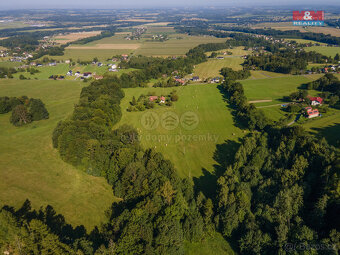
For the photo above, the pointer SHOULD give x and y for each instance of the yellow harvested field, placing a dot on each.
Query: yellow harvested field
(107, 47)
(325, 30)
(158, 24)
(62, 39)
(137, 20)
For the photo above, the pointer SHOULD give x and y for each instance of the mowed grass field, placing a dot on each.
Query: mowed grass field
(30, 168)
(190, 150)
(327, 51)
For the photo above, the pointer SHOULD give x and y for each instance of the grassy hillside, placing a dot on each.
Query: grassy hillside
(31, 168)
(327, 51)
(328, 127)
(191, 151)
(272, 89)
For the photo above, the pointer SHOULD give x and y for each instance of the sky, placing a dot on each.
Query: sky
(116, 4)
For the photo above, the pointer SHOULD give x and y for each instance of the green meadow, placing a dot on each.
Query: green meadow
(192, 150)
(327, 51)
(30, 168)
(272, 89)
(327, 127)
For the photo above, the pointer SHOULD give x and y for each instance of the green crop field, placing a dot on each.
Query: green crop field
(190, 150)
(31, 168)
(327, 51)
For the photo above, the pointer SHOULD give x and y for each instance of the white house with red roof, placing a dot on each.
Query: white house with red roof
(316, 100)
(162, 99)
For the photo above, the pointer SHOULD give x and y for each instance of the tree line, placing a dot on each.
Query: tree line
(24, 109)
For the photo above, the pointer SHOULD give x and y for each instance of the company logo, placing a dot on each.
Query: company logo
(308, 18)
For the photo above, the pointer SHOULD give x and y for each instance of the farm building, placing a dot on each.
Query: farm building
(162, 100)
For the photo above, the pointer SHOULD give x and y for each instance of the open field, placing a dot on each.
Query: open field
(178, 44)
(215, 245)
(62, 69)
(327, 51)
(31, 168)
(328, 127)
(191, 151)
(272, 89)
(107, 47)
(175, 46)
(289, 26)
(212, 67)
(305, 41)
(63, 39)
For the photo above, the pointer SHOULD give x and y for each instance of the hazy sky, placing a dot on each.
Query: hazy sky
(113, 4)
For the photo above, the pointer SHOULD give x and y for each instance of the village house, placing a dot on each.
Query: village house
(153, 98)
(87, 75)
(316, 100)
(311, 113)
(69, 73)
(180, 81)
(196, 78)
(162, 100)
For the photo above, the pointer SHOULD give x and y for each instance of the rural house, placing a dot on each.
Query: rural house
(153, 98)
(311, 113)
(316, 100)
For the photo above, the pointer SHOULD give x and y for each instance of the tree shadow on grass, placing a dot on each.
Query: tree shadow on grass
(237, 121)
(331, 133)
(224, 156)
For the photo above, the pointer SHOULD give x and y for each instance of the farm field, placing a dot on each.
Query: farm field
(117, 45)
(191, 151)
(63, 39)
(327, 51)
(289, 26)
(31, 168)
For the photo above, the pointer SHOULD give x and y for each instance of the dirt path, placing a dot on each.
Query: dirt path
(260, 101)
